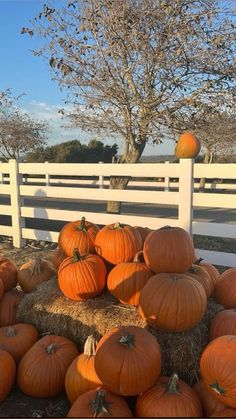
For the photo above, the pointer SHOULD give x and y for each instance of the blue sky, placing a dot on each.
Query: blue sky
(25, 73)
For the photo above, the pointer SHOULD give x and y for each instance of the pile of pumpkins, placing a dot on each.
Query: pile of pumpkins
(158, 272)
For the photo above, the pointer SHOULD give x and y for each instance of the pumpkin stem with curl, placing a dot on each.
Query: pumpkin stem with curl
(127, 340)
(11, 331)
(100, 405)
(172, 385)
(117, 226)
(82, 225)
(76, 256)
(217, 388)
(90, 346)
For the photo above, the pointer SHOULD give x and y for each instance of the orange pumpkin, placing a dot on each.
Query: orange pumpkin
(211, 270)
(81, 375)
(144, 232)
(99, 404)
(128, 360)
(8, 306)
(169, 397)
(78, 234)
(2, 289)
(169, 249)
(225, 288)
(18, 339)
(225, 413)
(210, 403)
(188, 146)
(42, 370)
(57, 256)
(224, 323)
(8, 273)
(34, 272)
(126, 280)
(218, 369)
(82, 277)
(117, 243)
(202, 276)
(166, 302)
(8, 373)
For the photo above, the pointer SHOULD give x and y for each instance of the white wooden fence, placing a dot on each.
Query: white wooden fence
(57, 181)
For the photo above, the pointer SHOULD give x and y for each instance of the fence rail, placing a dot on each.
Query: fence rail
(166, 185)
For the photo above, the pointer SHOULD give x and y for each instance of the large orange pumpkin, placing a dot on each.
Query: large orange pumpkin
(42, 370)
(117, 243)
(128, 360)
(126, 280)
(82, 277)
(218, 368)
(8, 306)
(81, 375)
(7, 375)
(225, 288)
(188, 146)
(34, 272)
(169, 397)
(210, 403)
(78, 234)
(224, 323)
(8, 273)
(99, 404)
(169, 249)
(172, 302)
(18, 339)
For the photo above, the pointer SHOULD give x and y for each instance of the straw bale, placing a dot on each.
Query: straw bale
(52, 313)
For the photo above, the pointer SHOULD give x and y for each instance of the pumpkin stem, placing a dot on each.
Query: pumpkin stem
(217, 388)
(50, 349)
(117, 226)
(139, 257)
(76, 256)
(172, 385)
(100, 405)
(37, 266)
(198, 261)
(166, 228)
(82, 224)
(90, 346)
(11, 331)
(127, 340)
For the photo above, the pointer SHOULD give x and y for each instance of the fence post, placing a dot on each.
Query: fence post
(16, 202)
(101, 178)
(47, 177)
(167, 180)
(186, 183)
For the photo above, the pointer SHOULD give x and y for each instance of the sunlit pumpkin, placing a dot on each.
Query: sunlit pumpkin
(188, 146)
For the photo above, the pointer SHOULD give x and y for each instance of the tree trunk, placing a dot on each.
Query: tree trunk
(120, 182)
(207, 159)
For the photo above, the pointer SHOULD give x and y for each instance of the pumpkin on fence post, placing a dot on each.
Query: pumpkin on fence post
(188, 146)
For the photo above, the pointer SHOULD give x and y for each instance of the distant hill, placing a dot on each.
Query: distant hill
(157, 159)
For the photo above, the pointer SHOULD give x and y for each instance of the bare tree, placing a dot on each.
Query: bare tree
(132, 66)
(19, 132)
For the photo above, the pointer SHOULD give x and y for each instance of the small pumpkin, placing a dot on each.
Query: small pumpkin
(218, 369)
(78, 234)
(42, 370)
(99, 404)
(82, 276)
(81, 375)
(8, 306)
(128, 360)
(8, 373)
(117, 243)
(225, 288)
(224, 323)
(211, 270)
(210, 403)
(202, 276)
(34, 272)
(188, 146)
(8, 273)
(144, 232)
(17, 339)
(169, 397)
(166, 302)
(169, 249)
(126, 280)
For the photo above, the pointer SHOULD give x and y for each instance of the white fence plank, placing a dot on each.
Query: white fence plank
(215, 229)
(217, 258)
(6, 210)
(29, 233)
(6, 230)
(150, 197)
(227, 170)
(214, 200)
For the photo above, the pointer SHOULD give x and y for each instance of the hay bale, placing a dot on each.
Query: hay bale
(51, 312)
